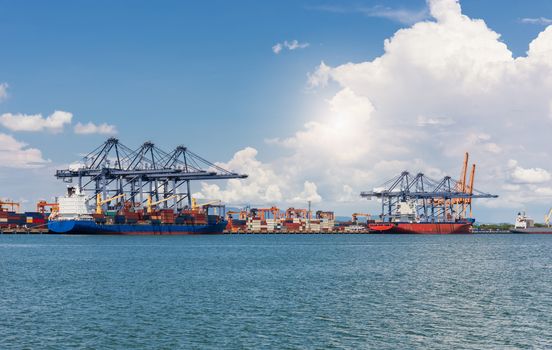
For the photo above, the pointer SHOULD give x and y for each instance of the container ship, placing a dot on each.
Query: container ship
(75, 217)
(419, 204)
(145, 190)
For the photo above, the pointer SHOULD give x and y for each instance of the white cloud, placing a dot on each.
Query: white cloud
(434, 121)
(398, 15)
(347, 194)
(17, 154)
(34, 123)
(3, 91)
(536, 20)
(294, 45)
(264, 186)
(453, 76)
(277, 48)
(320, 77)
(309, 193)
(544, 191)
(527, 176)
(401, 15)
(290, 45)
(91, 128)
(453, 73)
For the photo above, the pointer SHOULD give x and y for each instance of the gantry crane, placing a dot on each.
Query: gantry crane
(420, 198)
(113, 169)
(463, 203)
(42, 205)
(262, 212)
(355, 216)
(292, 213)
(12, 204)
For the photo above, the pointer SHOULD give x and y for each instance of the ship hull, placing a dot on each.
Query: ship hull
(91, 228)
(533, 230)
(421, 228)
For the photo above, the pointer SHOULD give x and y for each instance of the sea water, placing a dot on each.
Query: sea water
(276, 291)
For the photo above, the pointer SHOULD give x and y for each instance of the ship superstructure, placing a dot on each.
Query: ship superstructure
(525, 224)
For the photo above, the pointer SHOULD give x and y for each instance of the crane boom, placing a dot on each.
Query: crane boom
(547, 217)
(100, 202)
(41, 206)
(470, 188)
(196, 206)
(464, 173)
(150, 203)
(355, 216)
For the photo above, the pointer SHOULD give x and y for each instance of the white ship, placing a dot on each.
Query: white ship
(525, 224)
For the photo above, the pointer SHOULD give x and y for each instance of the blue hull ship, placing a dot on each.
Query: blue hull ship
(89, 227)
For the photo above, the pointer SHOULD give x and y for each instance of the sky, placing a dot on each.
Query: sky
(315, 100)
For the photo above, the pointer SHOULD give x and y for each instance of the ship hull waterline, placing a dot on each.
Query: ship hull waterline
(421, 228)
(533, 230)
(81, 227)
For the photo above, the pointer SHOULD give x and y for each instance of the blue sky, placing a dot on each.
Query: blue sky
(200, 73)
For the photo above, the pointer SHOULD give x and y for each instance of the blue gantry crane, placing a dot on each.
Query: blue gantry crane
(118, 174)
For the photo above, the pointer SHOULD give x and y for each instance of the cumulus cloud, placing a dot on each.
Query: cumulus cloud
(290, 45)
(455, 77)
(536, 20)
(17, 154)
(34, 123)
(441, 87)
(264, 186)
(347, 194)
(309, 194)
(528, 175)
(91, 128)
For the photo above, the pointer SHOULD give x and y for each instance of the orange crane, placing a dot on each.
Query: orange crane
(262, 212)
(42, 205)
(242, 213)
(293, 213)
(470, 188)
(13, 205)
(325, 215)
(355, 216)
(231, 227)
(461, 204)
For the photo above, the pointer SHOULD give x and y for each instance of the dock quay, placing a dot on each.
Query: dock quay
(22, 230)
(296, 232)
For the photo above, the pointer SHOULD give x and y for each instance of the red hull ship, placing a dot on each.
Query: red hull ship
(423, 228)
(418, 204)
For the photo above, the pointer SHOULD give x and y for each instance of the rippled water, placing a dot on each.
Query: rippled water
(276, 291)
